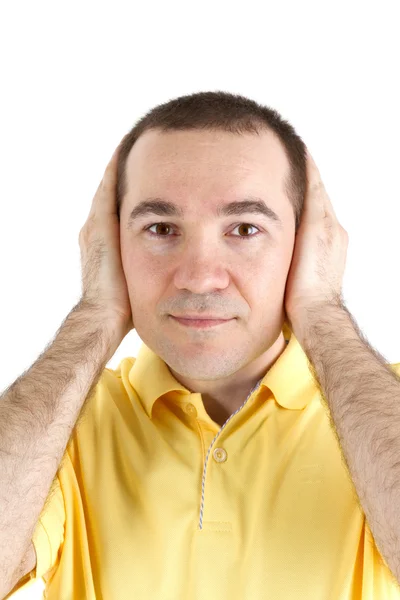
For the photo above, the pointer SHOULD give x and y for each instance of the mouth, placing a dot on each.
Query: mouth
(200, 323)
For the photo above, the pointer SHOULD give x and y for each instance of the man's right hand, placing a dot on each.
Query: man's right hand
(103, 280)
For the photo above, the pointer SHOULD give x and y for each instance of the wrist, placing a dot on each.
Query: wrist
(307, 323)
(113, 325)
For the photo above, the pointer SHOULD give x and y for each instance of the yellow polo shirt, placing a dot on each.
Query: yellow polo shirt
(155, 501)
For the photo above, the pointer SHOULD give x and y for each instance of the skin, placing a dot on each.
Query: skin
(202, 264)
(358, 387)
(315, 279)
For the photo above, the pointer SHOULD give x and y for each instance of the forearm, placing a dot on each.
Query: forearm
(363, 397)
(37, 415)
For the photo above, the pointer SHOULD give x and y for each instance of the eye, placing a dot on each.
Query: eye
(167, 225)
(164, 225)
(246, 226)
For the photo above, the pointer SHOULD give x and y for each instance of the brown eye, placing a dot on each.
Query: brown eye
(244, 227)
(161, 227)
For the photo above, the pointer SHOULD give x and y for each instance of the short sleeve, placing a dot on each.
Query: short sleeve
(47, 538)
(396, 368)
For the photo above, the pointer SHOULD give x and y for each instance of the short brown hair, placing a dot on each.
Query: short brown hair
(224, 111)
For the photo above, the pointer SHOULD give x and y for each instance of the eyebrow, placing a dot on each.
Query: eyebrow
(164, 208)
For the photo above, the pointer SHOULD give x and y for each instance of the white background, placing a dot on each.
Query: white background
(75, 77)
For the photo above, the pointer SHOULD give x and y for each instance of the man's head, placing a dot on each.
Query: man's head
(200, 259)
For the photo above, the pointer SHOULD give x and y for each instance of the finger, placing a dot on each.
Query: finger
(110, 174)
(104, 200)
(317, 202)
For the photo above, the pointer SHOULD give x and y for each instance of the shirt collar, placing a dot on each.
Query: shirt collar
(289, 378)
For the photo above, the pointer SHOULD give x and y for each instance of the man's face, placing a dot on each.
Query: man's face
(229, 266)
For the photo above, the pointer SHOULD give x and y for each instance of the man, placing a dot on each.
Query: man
(251, 449)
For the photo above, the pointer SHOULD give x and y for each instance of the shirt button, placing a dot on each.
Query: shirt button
(219, 455)
(191, 410)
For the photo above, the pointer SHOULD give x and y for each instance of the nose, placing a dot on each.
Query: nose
(201, 267)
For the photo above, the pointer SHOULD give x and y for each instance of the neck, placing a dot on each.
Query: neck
(222, 398)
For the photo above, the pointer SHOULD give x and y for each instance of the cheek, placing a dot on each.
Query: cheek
(144, 276)
(267, 264)
(135, 260)
(252, 266)
(266, 279)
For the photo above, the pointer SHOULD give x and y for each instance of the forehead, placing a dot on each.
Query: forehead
(206, 164)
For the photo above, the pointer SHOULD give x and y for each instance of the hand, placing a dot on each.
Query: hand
(319, 258)
(103, 280)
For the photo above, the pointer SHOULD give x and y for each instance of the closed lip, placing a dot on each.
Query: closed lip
(201, 317)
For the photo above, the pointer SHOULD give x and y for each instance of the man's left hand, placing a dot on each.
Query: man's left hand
(319, 257)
